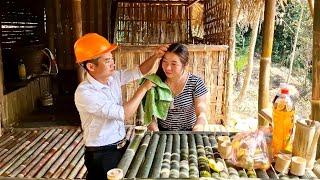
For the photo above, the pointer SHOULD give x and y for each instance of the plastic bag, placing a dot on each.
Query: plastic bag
(250, 149)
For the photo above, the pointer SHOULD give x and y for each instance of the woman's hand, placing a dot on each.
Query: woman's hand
(153, 126)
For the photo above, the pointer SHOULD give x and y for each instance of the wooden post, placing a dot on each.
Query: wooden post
(50, 24)
(1, 91)
(265, 62)
(234, 8)
(77, 25)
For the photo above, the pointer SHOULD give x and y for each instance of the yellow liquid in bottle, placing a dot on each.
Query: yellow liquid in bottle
(283, 124)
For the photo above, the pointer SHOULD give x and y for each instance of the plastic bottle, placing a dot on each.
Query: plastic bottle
(283, 123)
(22, 70)
(282, 86)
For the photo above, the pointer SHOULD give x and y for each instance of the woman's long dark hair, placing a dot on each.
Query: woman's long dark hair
(181, 51)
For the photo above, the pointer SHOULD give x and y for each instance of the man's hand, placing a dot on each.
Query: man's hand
(147, 85)
(159, 52)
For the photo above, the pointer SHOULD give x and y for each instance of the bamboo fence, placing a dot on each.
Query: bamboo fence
(205, 61)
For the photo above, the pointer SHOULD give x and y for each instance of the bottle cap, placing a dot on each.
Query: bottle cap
(284, 91)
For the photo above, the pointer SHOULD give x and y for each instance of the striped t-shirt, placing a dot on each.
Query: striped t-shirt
(181, 115)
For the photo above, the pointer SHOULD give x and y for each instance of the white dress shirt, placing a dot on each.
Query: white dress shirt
(101, 108)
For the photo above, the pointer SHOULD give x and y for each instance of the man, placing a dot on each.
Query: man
(99, 102)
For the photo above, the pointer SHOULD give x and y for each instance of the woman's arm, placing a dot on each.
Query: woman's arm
(201, 113)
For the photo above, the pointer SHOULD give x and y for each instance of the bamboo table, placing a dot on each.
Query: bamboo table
(180, 154)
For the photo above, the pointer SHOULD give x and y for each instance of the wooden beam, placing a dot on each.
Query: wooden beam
(193, 3)
(265, 62)
(77, 25)
(184, 2)
(1, 91)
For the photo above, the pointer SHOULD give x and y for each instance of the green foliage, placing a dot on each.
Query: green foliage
(241, 62)
(287, 19)
(242, 46)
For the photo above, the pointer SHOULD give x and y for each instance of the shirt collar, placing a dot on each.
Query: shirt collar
(96, 83)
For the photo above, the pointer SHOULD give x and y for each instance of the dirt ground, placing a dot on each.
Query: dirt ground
(244, 113)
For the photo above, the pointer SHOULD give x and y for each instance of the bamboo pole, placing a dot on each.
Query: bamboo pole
(73, 163)
(315, 102)
(76, 169)
(59, 149)
(311, 7)
(29, 150)
(67, 161)
(62, 156)
(234, 8)
(265, 62)
(82, 172)
(42, 151)
(77, 26)
(42, 165)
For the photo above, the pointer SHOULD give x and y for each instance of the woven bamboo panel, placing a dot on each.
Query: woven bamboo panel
(152, 22)
(216, 21)
(206, 61)
(23, 101)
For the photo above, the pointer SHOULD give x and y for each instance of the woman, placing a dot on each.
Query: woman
(188, 110)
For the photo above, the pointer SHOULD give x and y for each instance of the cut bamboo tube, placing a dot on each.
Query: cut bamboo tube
(165, 167)
(156, 166)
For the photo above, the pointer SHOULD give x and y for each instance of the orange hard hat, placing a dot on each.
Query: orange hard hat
(91, 46)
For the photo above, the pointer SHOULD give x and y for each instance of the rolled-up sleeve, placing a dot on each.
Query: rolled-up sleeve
(88, 101)
(129, 75)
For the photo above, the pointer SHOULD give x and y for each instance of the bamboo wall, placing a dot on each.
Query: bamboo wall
(19, 103)
(206, 61)
(217, 22)
(151, 22)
